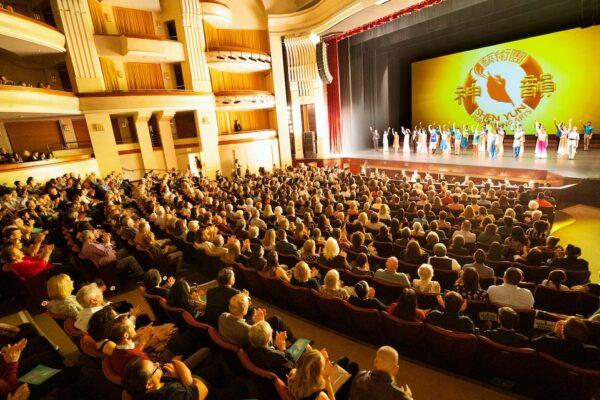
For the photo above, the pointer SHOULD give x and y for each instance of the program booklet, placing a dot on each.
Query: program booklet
(39, 375)
(338, 377)
(297, 349)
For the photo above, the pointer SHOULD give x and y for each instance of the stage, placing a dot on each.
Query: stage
(556, 171)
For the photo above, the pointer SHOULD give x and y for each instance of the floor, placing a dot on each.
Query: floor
(580, 225)
(585, 165)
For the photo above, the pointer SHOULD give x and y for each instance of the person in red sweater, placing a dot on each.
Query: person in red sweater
(27, 267)
(10, 366)
(122, 333)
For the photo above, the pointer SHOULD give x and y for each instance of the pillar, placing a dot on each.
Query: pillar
(74, 19)
(283, 134)
(140, 120)
(164, 119)
(68, 133)
(322, 119)
(195, 69)
(103, 143)
(208, 135)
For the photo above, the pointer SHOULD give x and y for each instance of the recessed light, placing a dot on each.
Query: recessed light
(380, 2)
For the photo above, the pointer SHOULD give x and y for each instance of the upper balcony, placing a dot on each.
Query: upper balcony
(139, 49)
(237, 59)
(145, 5)
(21, 101)
(143, 100)
(27, 36)
(244, 100)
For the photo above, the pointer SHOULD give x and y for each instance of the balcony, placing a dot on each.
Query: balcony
(145, 5)
(244, 100)
(21, 101)
(237, 59)
(139, 49)
(26, 36)
(139, 100)
(217, 14)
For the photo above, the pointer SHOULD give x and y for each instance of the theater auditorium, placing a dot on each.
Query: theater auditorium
(299, 199)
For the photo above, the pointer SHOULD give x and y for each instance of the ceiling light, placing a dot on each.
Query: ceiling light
(380, 2)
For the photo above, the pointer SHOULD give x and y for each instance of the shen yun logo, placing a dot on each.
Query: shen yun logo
(504, 86)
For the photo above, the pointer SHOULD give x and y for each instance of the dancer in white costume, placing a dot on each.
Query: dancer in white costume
(573, 141)
(563, 141)
(405, 140)
(483, 135)
(386, 143)
(396, 143)
(433, 139)
(501, 134)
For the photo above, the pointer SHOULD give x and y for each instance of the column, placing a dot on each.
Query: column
(283, 134)
(68, 133)
(74, 19)
(296, 114)
(143, 132)
(322, 119)
(208, 134)
(164, 119)
(103, 143)
(195, 70)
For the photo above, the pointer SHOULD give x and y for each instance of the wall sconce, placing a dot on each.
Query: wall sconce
(53, 78)
(123, 124)
(66, 128)
(98, 127)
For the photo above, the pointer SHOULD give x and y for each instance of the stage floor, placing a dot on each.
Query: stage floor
(586, 164)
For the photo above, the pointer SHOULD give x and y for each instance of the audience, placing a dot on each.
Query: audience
(425, 284)
(509, 294)
(506, 333)
(390, 274)
(451, 318)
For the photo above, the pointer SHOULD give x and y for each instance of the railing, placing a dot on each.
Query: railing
(37, 18)
(83, 144)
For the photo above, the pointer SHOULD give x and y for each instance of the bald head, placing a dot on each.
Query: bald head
(386, 360)
(391, 264)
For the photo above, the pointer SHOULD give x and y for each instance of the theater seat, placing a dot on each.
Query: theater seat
(505, 362)
(111, 375)
(301, 300)
(406, 337)
(227, 350)
(566, 381)
(558, 301)
(69, 328)
(88, 347)
(174, 313)
(447, 279)
(454, 350)
(282, 390)
(201, 334)
(262, 380)
(364, 323)
(333, 311)
(160, 314)
(385, 292)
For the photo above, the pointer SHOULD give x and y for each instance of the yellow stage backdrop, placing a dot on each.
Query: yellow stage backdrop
(528, 80)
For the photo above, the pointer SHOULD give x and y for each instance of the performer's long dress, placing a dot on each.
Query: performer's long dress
(542, 144)
(406, 143)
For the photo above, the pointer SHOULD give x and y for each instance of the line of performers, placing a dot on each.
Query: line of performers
(446, 139)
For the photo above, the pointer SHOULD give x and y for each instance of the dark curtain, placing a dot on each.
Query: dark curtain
(333, 100)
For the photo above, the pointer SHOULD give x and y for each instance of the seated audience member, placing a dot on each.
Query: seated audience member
(405, 308)
(91, 299)
(390, 274)
(489, 235)
(331, 286)
(404, 238)
(556, 279)
(311, 377)
(267, 353)
(331, 256)
(62, 301)
(451, 318)
(232, 325)
(424, 284)
(303, 276)
(182, 296)
(162, 255)
(380, 382)
(358, 243)
(10, 366)
(517, 243)
(571, 261)
(552, 249)
(360, 265)
(568, 343)
(505, 334)
(121, 333)
(217, 298)
(25, 266)
(534, 258)
(102, 253)
(479, 265)
(440, 260)
(143, 379)
(465, 232)
(283, 246)
(365, 297)
(495, 252)
(257, 260)
(457, 247)
(152, 283)
(308, 253)
(468, 286)
(413, 253)
(275, 270)
(509, 294)
(431, 240)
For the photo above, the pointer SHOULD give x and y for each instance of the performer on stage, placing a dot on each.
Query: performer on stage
(483, 137)
(445, 140)
(588, 131)
(396, 143)
(476, 135)
(422, 144)
(542, 141)
(375, 138)
(464, 143)
(562, 134)
(501, 134)
(386, 143)
(457, 139)
(518, 139)
(573, 142)
(405, 140)
(493, 143)
(433, 139)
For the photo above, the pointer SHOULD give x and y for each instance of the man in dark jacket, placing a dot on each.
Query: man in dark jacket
(451, 318)
(266, 355)
(217, 298)
(506, 334)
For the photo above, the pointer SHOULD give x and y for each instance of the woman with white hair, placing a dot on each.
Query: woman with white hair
(332, 286)
(269, 240)
(303, 276)
(531, 207)
(193, 227)
(332, 257)
(424, 284)
(384, 213)
(417, 230)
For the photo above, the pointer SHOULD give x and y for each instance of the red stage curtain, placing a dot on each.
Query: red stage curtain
(333, 99)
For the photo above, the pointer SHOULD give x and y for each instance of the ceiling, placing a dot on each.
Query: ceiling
(287, 6)
(369, 14)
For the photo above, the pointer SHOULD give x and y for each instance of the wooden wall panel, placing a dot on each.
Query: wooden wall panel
(231, 81)
(250, 120)
(81, 132)
(134, 22)
(251, 39)
(97, 17)
(185, 124)
(142, 76)
(34, 135)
